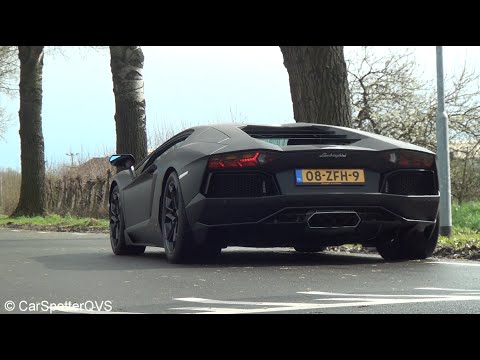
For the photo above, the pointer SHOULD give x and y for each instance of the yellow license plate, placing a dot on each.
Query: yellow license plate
(329, 176)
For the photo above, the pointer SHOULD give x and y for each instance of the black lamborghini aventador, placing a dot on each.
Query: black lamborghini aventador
(298, 185)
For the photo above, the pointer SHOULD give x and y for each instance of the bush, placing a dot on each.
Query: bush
(466, 215)
(9, 190)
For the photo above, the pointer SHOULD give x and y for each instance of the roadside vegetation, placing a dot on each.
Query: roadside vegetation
(55, 223)
(465, 239)
(466, 216)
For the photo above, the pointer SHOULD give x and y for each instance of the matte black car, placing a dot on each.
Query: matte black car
(298, 185)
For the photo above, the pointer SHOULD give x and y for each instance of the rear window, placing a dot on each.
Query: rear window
(312, 135)
(276, 141)
(211, 135)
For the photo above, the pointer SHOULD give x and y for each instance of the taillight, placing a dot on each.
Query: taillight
(239, 160)
(411, 159)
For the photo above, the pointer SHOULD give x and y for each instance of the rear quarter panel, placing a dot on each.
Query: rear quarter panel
(191, 162)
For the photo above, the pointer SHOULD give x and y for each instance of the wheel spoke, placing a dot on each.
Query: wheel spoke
(168, 205)
(174, 200)
(170, 211)
(171, 233)
(113, 210)
(114, 219)
(171, 217)
(175, 229)
(173, 196)
(116, 233)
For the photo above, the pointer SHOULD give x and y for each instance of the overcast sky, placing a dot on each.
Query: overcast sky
(183, 86)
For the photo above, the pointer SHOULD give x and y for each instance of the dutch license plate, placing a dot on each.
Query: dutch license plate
(329, 176)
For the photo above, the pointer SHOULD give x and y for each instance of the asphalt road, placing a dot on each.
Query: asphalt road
(68, 272)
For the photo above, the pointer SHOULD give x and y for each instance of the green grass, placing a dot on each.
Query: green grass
(461, 238)
(466, 216)
(466, 227)
(56, 222)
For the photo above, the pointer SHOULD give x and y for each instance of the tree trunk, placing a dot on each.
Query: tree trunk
(127, 67)
(32, 188)
(318, 84)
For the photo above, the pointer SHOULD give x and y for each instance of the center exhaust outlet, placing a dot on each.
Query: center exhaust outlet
(333, 220)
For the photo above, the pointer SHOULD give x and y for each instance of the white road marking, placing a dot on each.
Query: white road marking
(77, 233)
(255, 303)
(453, 263)
(443, 289)
(347, 300)
(468, 293)
(16, 230)
(184, 174)
(43, 232)
(76, 310)
(366, 295)
(313, 306)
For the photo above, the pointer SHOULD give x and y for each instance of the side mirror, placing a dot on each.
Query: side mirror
(125, 161)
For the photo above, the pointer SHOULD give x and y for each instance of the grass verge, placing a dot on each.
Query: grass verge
(464, 243)
(465, 239)
(55, 223)
(466, 215)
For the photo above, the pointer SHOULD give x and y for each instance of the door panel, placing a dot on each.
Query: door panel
(138, 198)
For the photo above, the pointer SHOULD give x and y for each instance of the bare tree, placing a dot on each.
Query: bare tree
(318, 84)
(388, 98)
(8, 74)
(465, 171)
(3, 122)
(127, 68)
(8, 68)
(32, 194)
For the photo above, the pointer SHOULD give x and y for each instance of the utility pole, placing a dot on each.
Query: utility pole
(443, 153)
(71, 157)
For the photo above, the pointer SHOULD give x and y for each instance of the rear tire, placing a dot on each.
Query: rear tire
(177, 237)
(410, 244)
(178, 241)
(117, 228)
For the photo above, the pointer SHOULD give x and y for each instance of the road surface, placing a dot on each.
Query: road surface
(47, 272)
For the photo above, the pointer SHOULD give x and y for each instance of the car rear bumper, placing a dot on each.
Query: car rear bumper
(228, 211)
(276, 220)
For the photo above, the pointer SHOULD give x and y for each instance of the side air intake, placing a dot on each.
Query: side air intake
(240, 184)
(412, 182)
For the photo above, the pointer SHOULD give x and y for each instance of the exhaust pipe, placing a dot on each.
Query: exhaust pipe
(333, 220)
